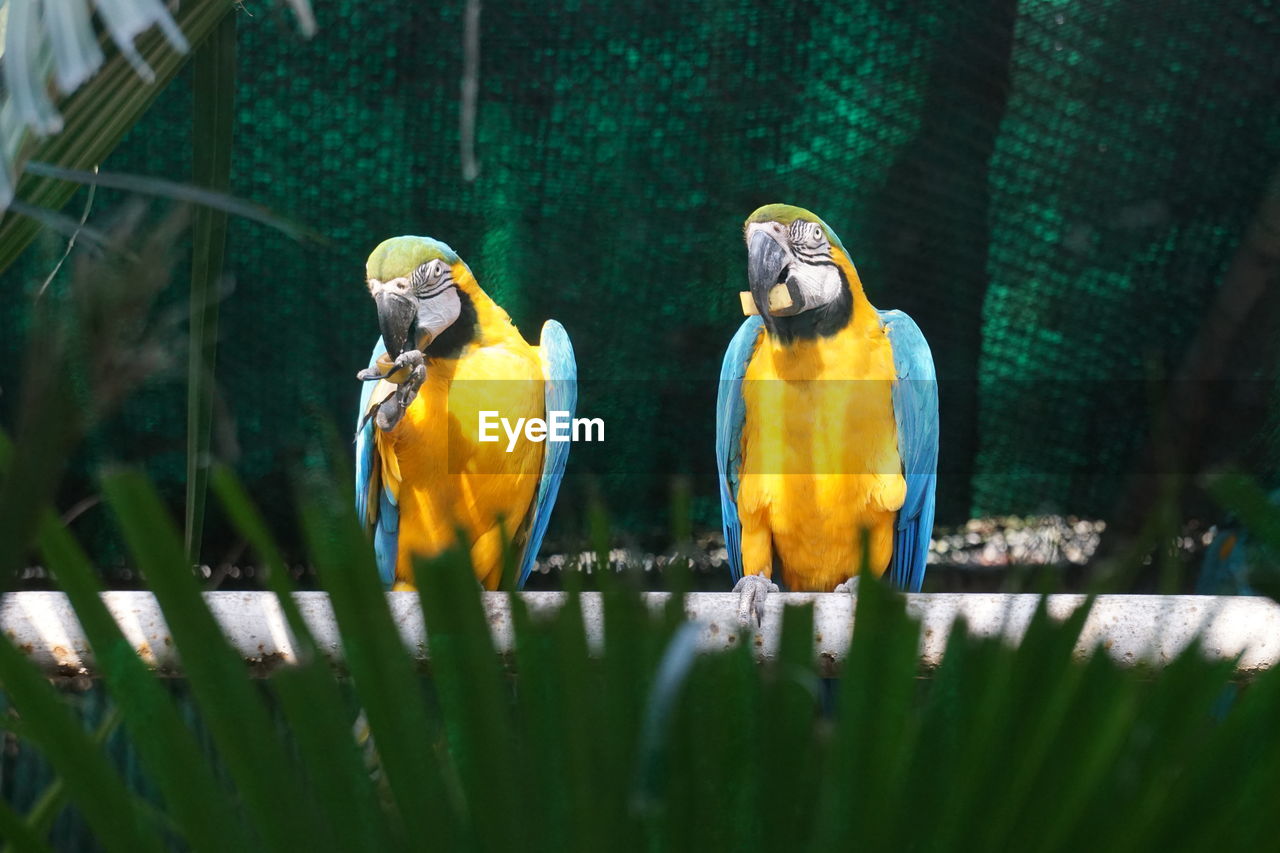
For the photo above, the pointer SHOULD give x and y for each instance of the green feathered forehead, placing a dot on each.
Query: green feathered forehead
(788, 213)
(400, 256)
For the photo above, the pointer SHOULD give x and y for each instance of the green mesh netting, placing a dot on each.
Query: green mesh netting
(1051, 189)
(1135, 148)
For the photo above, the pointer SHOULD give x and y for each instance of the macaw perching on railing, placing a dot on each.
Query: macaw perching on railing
(422, 474)
(827, 422)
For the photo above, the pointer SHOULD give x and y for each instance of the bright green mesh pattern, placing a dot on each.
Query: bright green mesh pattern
(1051, 190)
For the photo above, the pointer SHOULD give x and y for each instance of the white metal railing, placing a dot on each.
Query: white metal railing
(1129, 628)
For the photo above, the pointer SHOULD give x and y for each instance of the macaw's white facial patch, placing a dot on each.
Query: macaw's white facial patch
(811, 267)
(820, 283)
(437, 313)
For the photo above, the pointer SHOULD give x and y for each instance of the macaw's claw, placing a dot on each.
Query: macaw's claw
(850, 586)
(409, 358)
(396, 372)
(752, 591)
(391, 410)
(388, 415)
(409, 371)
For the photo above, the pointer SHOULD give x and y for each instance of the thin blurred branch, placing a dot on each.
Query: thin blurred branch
(80, 508)
(214, 87)
(470, 90)
(61, 223)
(197, 194)
(71, 241)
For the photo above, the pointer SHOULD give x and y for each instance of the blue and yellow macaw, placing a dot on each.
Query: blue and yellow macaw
(1235, 561)
(827, 422)
(422, 473)
(1226, 565)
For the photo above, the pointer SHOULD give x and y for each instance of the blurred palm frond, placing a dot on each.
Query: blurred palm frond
(70, 95)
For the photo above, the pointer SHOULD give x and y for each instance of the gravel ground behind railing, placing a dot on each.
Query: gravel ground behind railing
(975, 556)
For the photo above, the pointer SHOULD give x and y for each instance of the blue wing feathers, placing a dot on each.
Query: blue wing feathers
(386, 537)
(384, 520)
(731, 412)
(561, 383)
(915, 410)
(365, 448)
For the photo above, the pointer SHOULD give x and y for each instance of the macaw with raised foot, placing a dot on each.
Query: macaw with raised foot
(422, 472)
(826, 422)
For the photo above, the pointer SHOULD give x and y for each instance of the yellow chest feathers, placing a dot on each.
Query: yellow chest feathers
(821, 407)
(820, 455)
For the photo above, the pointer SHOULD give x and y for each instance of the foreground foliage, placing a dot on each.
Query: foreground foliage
(646, 746)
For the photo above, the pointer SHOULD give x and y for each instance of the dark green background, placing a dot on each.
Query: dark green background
(1051, 189)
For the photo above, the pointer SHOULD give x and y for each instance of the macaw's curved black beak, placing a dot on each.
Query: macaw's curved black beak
(775, 292)
(396, 315)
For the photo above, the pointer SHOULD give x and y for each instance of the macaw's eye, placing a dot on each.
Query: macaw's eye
(807, 234)
(430, 278)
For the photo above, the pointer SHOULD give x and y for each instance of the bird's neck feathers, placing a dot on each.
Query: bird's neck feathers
(850, 312)
(482, 322)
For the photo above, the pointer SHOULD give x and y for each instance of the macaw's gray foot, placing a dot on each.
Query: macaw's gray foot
(412, 359)
(850, 586)
(412, 370)
(752, 591)
(391, 410)
(395, 372)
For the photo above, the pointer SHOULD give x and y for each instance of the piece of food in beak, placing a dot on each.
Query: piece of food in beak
(779, 300)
